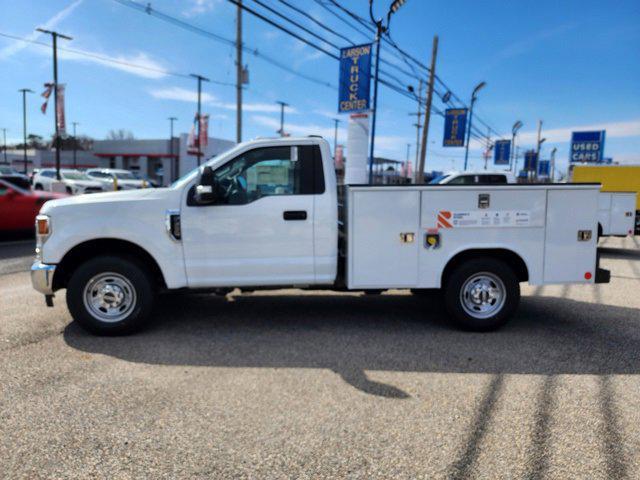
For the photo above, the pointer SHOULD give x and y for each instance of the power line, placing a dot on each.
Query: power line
(107, 59)
(214, 36)
(403, 53)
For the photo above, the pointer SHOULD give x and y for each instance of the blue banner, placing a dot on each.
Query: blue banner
(502, 152)
(530, 161)
(544, 168)
(587, 147)
(455, 126)
(355, 79)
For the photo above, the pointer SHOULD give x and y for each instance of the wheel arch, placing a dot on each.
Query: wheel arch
(111, 246)
(511, 258)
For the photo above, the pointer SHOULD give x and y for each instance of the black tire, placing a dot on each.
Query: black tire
(139, 308)
(38, 187)
(494, 272)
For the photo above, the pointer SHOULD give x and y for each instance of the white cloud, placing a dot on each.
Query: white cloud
(18, 45)
(198, 7)
(186, 95)
(181, 94)
(140, 64)
(296, 128)
(614, 130)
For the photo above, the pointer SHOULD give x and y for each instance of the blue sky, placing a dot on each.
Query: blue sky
(573, 64)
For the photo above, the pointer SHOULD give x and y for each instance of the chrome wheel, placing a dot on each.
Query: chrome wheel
(109, 297)
(483, 295)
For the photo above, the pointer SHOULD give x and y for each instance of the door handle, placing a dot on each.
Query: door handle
(294, 215)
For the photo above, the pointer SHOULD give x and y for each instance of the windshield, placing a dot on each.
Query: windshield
(7, 170)
(74, 175)
(187, 176)
(124, 176)
(438, 179)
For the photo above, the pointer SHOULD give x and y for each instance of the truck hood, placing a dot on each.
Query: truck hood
(119, 199)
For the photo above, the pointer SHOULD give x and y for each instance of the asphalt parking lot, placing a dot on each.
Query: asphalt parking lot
(293, 384)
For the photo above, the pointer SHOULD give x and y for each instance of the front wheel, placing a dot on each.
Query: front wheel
(110, 295)
(482, 294)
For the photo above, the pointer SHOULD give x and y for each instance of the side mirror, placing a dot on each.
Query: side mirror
(206, 187)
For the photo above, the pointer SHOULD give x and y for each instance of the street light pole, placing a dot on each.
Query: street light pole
(75, 143)
(380, 29)
(174, 163)
(54, 36)
(282, 105)
(24, 124)
(474, 97)
(513, 158)
(200, 79)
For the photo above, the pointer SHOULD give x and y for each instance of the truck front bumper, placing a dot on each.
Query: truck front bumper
(42, 277)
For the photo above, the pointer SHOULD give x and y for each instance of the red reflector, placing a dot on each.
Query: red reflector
(587, 275)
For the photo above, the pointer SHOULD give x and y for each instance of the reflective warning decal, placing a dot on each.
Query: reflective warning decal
(475, 218)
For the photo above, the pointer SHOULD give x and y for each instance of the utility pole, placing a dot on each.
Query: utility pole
(336, 121)
(54, 36)
(282, 105)
(174, 162)
(474, 97)
(427, 112)
(200, 79)
(380, 29)
(75, 143)
(239, 72)
(4, 134)
(24, 124)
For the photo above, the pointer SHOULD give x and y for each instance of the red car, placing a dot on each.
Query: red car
(19, 207)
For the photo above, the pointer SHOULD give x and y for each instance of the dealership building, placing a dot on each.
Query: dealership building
(161, 160)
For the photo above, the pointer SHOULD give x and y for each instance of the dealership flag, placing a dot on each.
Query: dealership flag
(204, 131)
(60, 112)
(192, 147)
(46, 94)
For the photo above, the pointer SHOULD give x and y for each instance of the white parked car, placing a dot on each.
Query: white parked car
(126, 179)
(75, 182)
(474, 178)
(266, 214)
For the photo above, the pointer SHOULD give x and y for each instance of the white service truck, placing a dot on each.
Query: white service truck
(268, 213)
(616, 214)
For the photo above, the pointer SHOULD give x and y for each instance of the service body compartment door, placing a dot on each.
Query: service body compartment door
(623, 206)
(383, 239)
(604, 212)
(568, 256)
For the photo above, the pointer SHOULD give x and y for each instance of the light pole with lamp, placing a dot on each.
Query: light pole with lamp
(380, 29)
(514, 159)
(474, 96)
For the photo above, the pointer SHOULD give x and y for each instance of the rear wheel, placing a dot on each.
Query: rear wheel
(110, 295)
(482, 294)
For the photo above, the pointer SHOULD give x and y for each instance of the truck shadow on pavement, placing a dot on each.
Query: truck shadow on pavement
(351, 335)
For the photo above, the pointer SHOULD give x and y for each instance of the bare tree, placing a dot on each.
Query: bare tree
(120, 134)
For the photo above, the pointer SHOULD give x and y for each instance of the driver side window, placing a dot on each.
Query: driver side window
(258, 173)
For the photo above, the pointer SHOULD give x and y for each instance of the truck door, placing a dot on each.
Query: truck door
(259, 231)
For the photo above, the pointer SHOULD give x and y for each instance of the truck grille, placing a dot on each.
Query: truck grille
(92, 189)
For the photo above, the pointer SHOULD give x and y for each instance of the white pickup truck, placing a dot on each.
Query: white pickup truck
(267, 214)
